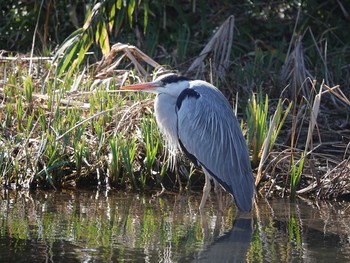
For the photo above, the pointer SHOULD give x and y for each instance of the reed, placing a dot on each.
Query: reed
(151, 143)
(257, 113)
(275, 126)
(128, 151)
(114, 160)
(295, 174)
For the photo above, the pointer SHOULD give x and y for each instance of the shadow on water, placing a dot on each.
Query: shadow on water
(96, 226)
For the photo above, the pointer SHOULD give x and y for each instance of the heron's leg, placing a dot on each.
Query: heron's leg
(205, 227)
(178, 180)
(206, 190)
(218, 192)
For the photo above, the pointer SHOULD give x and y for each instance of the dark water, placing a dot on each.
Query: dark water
(97, 226)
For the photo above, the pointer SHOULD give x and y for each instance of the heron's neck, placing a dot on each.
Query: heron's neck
(166, 117)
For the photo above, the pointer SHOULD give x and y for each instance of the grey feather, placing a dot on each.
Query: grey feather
(195, 117)
(209, 130)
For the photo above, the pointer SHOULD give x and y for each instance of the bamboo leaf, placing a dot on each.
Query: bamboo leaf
(68, 42)
(119, 4)
(111, 17)
(102, 38)
(131, 9)
(94, 12)
(67, 60)
(84, 47)
(145, 16)
(119, 20)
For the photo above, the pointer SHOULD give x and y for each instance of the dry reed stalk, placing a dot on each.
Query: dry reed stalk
(336, 182)
(106, 67)
(338, 93)
(294, 71)
(219, 51)
(265, 149)
(313, 118)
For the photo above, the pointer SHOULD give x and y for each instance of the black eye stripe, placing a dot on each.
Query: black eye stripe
(173, 79)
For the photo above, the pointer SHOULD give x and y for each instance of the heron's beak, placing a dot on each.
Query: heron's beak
(148, 86)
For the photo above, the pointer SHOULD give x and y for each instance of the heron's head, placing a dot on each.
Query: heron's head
(171, 84)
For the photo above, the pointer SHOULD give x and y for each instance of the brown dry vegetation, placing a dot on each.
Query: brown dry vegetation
(58, 126)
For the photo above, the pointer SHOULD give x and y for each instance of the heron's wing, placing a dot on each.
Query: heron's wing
(209, 132)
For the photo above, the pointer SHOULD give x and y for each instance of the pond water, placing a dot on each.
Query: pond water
(106, 226)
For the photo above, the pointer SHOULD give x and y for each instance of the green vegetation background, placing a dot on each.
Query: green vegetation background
(277, 47)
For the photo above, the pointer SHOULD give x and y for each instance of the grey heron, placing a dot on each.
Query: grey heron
(196, 118)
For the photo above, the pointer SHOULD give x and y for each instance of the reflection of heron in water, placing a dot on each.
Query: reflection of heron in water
(231, 246)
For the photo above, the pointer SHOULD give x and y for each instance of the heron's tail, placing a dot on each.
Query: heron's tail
(244, 193)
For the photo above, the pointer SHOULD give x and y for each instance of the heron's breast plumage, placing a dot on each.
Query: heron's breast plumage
(164, 108)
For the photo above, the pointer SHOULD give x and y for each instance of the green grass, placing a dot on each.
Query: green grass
(263, 127)
(151, 141)
(295, 174)
(257, 120)
(114, 161)
(128, 150)
(59, 132)
(64, 122)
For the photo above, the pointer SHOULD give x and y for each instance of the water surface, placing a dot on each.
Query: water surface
(106, 226)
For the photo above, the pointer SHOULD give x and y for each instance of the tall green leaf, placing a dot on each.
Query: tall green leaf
(131, 9)
(145, 17)
(111, 17)
(102, 37)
